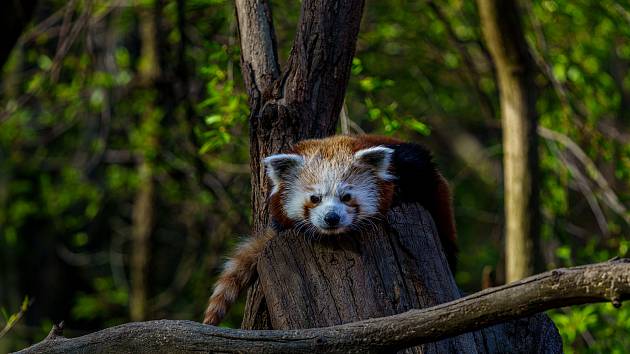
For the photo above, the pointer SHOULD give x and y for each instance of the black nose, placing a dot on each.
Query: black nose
(332, 218)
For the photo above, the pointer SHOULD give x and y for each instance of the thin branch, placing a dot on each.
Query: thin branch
(608, 281)
(576, 111)
(472, 72)
(585, 188)
(356, 127)
(541, 62)
(343, 118)
(15, 318)
(609, 196)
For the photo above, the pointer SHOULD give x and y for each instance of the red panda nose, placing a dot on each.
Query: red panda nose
(332, 218)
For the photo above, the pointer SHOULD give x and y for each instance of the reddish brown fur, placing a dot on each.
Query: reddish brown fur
(441, 207)
(237, 277)
(277, 210)
(331, 148)
(234, 279)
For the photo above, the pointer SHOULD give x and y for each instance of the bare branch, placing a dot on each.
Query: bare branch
(608, 281)
(15, 318)
(343, 119)
(258, 46)
(609, 196)
(585, 188)
(472, 72)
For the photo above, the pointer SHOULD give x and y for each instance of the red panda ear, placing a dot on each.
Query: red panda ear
(280, 167)
(377, 158)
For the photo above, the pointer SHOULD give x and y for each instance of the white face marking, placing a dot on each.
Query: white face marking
(345, 189)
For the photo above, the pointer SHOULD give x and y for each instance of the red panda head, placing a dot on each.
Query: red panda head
(330, 187)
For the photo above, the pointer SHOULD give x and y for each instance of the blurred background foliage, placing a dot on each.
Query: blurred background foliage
(115, 115)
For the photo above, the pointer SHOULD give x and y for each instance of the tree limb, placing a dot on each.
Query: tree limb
(608, 281)
(258, 46)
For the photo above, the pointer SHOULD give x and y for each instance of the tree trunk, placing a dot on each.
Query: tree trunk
(143, 208)
(301, 102)
(385, 271)
(514, 67)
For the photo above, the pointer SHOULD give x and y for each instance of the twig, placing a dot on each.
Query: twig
(15, 318)
(609, 196)
(343, 118)
(356, 127)
(472, 72)
(585, 188)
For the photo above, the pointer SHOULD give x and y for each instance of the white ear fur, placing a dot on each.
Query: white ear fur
(282, 166)
(378, 158)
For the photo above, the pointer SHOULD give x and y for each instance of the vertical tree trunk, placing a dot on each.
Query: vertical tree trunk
(141, 232)
(143, 208)
(303, 101)
(505, 39)
(384, 271)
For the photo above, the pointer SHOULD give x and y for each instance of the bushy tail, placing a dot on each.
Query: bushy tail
(236, 276)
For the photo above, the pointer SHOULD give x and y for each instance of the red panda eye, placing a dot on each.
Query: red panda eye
(315, 199)
(346, 197)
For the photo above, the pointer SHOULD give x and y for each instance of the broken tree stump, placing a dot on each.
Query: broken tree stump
(389, 269)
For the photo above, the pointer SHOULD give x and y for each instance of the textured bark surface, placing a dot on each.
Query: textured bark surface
(302, 101)
(609, 281)
(305, 99)
(504, 36)
(387, 270)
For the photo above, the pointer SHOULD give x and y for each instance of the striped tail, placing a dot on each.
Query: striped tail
(237, 275)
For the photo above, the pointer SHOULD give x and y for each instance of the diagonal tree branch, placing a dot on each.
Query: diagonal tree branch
(608, 281)
(609, 197)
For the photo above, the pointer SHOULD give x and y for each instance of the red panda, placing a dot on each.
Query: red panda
(337, 185)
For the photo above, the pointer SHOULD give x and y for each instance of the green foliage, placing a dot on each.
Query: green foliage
(10, 320)
(76, 126)
(226, 107)
(593, 328)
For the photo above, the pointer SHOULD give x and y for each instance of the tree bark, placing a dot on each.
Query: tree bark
(514, 67)
(301, 102)
(608, 281)
(387, 270)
